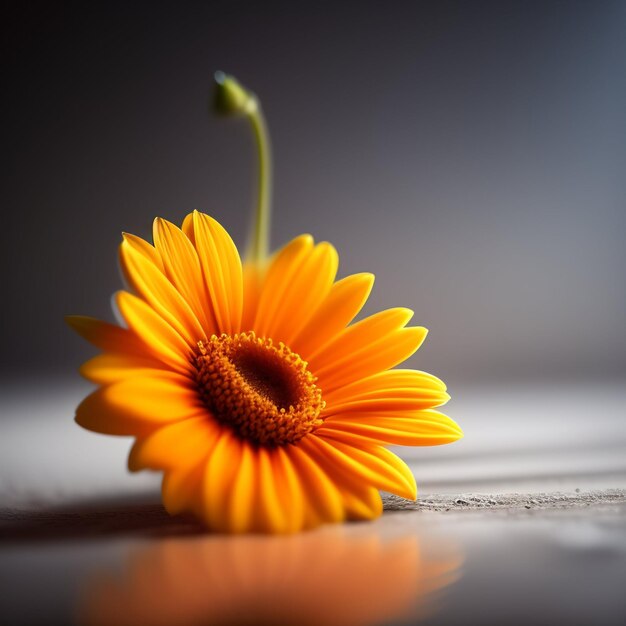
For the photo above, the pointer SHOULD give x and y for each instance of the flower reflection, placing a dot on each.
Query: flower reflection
(331, 577)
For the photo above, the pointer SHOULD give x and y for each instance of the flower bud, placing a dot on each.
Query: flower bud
(230, 98)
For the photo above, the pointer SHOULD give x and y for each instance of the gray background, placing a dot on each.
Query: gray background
(471, 155)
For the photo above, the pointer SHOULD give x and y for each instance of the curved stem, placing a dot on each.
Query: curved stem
(232, 99)
(259, 246)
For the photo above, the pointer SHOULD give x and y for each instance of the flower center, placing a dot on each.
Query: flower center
(263, 391)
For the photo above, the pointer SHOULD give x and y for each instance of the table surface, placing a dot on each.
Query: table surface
(522, 521)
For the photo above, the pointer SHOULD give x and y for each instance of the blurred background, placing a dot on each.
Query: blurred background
(470, 154)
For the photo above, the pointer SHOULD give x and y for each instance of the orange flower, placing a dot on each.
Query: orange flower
(327, 577)
(250, 388)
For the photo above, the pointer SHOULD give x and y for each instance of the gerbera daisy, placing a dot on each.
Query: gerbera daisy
(249, 386)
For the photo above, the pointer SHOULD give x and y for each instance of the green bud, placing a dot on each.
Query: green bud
(230, 98)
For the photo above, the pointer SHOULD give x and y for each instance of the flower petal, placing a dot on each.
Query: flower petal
(253, 277)
(399, 382)
(281, 272)
(180, 489)
(389, 404)
(110, 367)
(372, 464)
(352, 498)
(219, 474)
(324, 498)
(241, 501)
(421, 428)
(153, 286)
(221, 267)
(181, 444)
(362, 503)
(290, 490)
(107, 337)
(389, 391)
(345, 299)
(129, 406)
(376, 343)
(381, 355)
(270, 506)
(306, 290)
(96, 414)
(182, 267)
(363, 333)
(160, 339)
(144, 248)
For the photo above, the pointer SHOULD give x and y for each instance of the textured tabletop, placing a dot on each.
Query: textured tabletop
(525, 516)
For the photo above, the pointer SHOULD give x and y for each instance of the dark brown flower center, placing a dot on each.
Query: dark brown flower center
(263, 391)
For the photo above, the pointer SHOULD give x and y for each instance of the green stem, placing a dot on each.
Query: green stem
(259, 247)
(234, 100)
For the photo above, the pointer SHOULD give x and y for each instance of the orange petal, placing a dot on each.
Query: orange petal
(374, 465)
(144, 248)
(187, 228)
(289, 489)
(221, 267)
(361, 503)
(253, 277)
(122, 407)
(389, 404)
(357, 500)
(182, 267)
(324, 498)
(219, 474)
(105, 336)
(345, 299)
(110, 367)
(160, 339)
(392, 391)
(396, 383)
(241, 502)
(357, 357)
(420, 428)
(304, 293)
(271, 514)
(96, 414)
(154, 287)
(181, 444)
(281, 272)
(363, 333)
(180, 489)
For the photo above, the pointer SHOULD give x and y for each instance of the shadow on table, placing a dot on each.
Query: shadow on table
(93, 519)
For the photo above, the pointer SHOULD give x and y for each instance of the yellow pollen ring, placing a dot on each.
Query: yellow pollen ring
(263, 391)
